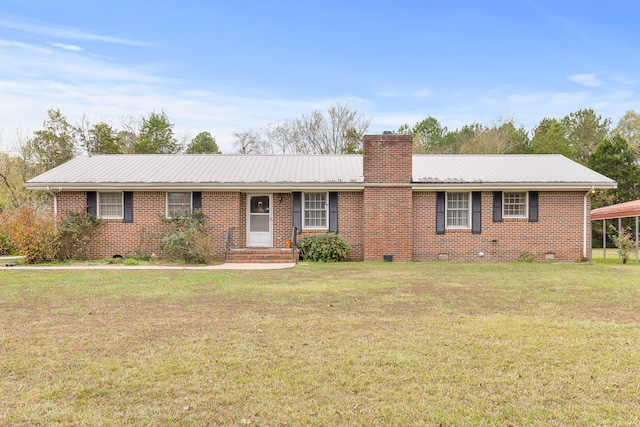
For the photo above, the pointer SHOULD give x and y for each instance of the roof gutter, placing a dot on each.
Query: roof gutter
(118, 186)
(339, 186)
(529, 186)
(326, 186)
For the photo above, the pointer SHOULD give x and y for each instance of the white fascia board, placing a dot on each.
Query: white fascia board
(116, 186)
(326, 186)
(532, 186)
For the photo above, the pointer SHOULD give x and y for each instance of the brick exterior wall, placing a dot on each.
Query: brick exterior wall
(387, 203)
(223, 210)
(386, 218)
(350, 225)
(282, 219)
(559, 231)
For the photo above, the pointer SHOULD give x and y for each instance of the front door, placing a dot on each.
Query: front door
(259, 220)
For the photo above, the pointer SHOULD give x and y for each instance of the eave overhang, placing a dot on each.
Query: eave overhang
(172, 186)
(525, 186)
(326, 186)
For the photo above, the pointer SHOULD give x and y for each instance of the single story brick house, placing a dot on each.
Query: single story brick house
(387, 202)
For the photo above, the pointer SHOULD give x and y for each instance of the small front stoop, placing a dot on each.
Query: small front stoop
(262, 255)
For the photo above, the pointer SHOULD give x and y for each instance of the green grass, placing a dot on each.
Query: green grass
(612, 256)
(366, 344)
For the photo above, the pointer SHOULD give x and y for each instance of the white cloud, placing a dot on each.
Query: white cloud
(55, 31)
(64, 64)
(589, 80)
(220, 112)
(70, 47)
(21, 45)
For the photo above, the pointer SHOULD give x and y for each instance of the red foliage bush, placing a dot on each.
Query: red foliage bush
(31, 232)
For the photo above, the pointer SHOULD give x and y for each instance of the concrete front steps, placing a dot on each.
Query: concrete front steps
(262, 255)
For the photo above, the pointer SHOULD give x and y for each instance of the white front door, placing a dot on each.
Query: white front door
(259, 218)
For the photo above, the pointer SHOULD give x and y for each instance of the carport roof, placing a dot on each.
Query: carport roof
(621, 210)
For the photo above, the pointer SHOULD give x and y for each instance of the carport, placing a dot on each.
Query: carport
(619, 211)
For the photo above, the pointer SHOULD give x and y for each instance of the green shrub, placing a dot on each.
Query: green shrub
(131, 261)
(324, 247)
(526, 257)
(6, 245)
(624, 242)
(76, 229)
(184, 236)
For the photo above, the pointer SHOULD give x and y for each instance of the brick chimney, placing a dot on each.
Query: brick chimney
(388, 213)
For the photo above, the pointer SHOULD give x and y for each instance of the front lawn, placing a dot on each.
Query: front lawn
(522, 344)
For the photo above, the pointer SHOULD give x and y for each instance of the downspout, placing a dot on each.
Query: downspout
(55, 202)
(584, 223)
(55, 206)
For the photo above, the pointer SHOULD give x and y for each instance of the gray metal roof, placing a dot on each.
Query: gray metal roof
(514, 170)
(246, 172)
(203, 171)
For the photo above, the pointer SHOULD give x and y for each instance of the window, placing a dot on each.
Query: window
(458, 210)
(514, 205)
(315, 210)
(177, 202)
(110, 205)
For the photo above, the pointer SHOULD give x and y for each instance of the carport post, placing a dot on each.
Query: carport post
(604, 238)
(636, 239)
(619, 234)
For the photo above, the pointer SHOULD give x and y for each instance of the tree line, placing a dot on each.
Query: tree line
(583, 136)
(60, 141)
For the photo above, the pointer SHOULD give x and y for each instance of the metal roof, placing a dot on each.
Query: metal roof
(621, 210)
(246, 172)
(514, 170)
(202, 171)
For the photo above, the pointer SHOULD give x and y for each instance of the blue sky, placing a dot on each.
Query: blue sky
(229, 66)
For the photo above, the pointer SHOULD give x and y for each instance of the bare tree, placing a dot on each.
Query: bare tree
(339, 130)
(130, 133)
(250, 142)
(281, 138)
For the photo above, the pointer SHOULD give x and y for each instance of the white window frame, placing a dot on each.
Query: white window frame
(446, 214)
(326, 211)
(504, 204)
(190, 193)
(101, 215)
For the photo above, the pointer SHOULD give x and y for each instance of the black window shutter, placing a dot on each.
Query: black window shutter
(333, 212)
(476, 212)
(128, 206)
(533, 206)
(92, 203)
(440, 212)
(197, 200)
(497, 206)
(297, 210)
